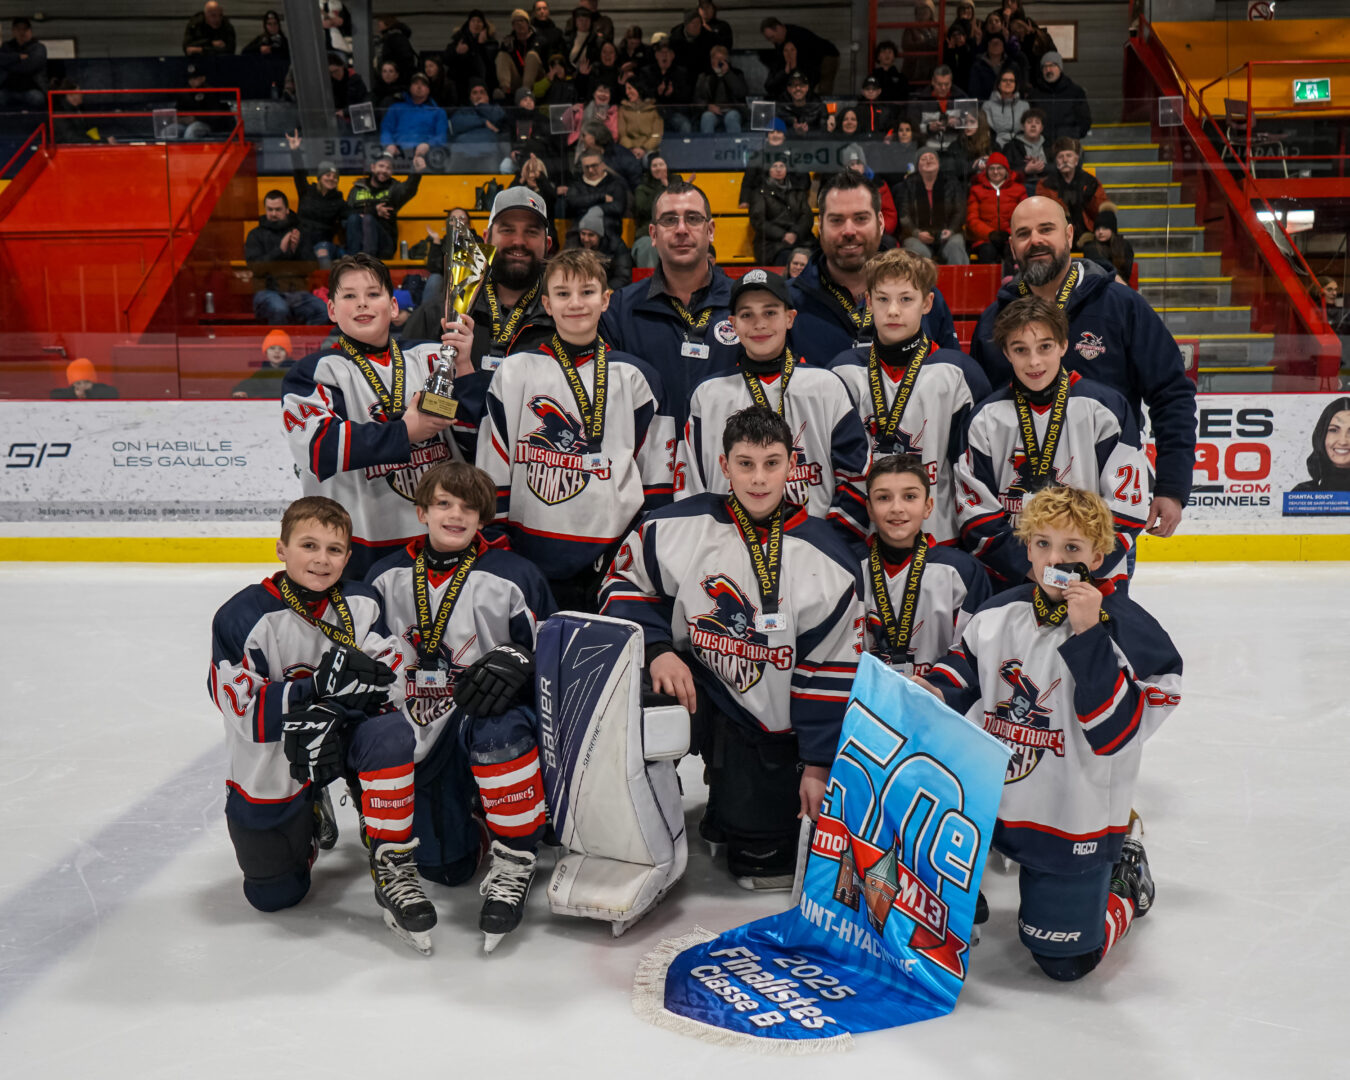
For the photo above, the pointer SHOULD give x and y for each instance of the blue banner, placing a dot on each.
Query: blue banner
(881, 936)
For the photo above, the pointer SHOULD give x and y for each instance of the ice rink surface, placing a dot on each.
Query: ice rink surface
(127, 949)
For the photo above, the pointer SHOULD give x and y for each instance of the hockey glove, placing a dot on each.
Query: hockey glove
(492, 683)
(353, 680)
(312, 743)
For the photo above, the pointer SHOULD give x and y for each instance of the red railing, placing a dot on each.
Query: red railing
(39, 133)
(902, 54)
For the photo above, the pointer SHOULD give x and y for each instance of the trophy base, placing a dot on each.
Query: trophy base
(438, 405)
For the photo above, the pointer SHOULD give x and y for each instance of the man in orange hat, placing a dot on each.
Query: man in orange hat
(82, 383)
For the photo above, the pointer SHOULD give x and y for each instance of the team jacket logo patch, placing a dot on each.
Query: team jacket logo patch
(554, 453)
(1022, 722)
(725, 333)
(1089, 346)
(403, 477)
(726, 640)
(805, 473)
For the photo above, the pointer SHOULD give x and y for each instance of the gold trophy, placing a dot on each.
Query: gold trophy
(466, 268)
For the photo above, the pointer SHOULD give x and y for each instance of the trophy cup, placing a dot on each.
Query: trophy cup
(466, 267)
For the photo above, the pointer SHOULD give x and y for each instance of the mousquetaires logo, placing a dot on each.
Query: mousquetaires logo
(726, 640)
(553, 453)
(1022, 722)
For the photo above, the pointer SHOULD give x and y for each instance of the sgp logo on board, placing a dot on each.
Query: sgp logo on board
(31, 455)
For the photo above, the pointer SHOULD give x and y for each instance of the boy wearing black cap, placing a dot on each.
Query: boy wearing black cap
(830, 451)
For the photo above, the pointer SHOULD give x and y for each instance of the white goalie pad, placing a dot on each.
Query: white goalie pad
(609, 770)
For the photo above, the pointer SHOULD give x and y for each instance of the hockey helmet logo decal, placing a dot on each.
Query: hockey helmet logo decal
(1090, 346)
(726, 640)
(553, 453)
(1022, 722)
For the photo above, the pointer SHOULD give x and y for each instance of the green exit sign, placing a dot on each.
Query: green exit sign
(1312, 89)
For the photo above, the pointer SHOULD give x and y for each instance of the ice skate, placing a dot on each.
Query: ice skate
(981, 917)
(766, 882)
(506, 887)
(353, 795)
(1130, 878)
(325, 821)
(407, 911)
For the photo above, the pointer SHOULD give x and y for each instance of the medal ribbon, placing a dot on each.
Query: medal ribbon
(891, 425)
(1061, 297)
(502, 334)
(700, 324)
(345, 635)
(861, 320)
(1057, 614)
(897, 634)
(592, 410)
(433, 631)
(1043, 457)
(756, 388)
(766, 567)
(392, 402)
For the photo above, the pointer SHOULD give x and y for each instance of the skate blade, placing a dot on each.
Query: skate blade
(715, 848)
(491, 941)
(777, 883)
(419, 940)
(975, 934)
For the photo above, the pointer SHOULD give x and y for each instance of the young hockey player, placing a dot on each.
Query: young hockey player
(299, 672)
(751, 616)
(577, 438)
(466, 613)
(1073, 676)
(351, 412)
(829, 449)
(1049, 425)
(913, 396)
(920, 595)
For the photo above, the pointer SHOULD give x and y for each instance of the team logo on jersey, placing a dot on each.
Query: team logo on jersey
(1089, 346)
(427, 704)
(905, 442)
(1022, 721)
(726, 640)
(403, 477)
(804, 475)
(726, 334)
(1024, 484)
(554, 454)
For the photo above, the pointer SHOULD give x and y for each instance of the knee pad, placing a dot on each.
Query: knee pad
(1068, 968)
(275, 894)
(275, 861)
(609, 770)
(753, 800)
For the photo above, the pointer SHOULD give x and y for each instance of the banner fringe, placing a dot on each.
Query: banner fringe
(649, 1002)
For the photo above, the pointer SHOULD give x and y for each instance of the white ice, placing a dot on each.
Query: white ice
(127, 949)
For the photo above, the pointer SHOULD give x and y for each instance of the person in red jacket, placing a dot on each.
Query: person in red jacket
(993, 197)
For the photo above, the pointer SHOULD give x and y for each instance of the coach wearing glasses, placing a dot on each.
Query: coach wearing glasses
(678, 319)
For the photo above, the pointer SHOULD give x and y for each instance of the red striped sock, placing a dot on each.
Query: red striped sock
(1119, 915)
(387, 803)
(513, 795)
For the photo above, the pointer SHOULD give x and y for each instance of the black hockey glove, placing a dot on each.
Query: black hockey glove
(353, 680)
(492, 683)
(312, 743)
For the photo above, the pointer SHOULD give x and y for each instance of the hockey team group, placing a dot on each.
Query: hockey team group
(767, 478)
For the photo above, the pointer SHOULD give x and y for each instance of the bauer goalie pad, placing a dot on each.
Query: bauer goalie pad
(609, 770)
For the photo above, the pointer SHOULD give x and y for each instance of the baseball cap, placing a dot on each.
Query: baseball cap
(871, 83)
(760, 281)
(798, 76)
(404, 298)
(518, 198)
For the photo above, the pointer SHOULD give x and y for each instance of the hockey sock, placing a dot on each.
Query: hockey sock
(387, 803)
(1119, 915)
(513, 799)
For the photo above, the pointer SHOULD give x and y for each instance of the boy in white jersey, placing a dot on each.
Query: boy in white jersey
(301, 667)
(920, 595)
(1073, 676)
(913, 397)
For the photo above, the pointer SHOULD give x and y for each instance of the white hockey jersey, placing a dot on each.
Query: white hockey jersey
(349, 445)
(263, 656)
(932, 427)
(1098, 450)
(562, 502)
(829, 452)
(686, 577)
(1075, 709)
(503, 599)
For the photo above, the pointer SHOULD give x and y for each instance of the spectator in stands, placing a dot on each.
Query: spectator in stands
(919, 43)
(413, 126)
(886, 73)
(390, 88)
(633, 51)
(930, 110)
(520, 58)
(989, 65)
(967, 156)
(989, 208)
(904, 153)
(875, 118)
(590, 234)
(808, 52)
(932, 211)
(842, 123)
(481, 120)
(1073, 188)
(271, 42)
(546, 31)
(435, 260)
(1328, 293)
(965, 12)
(1031, 41)
(721, 94)
(557, 87)
(534, 175)
(802, 109)
(266, 381)
(655, 179)
(599, 111)
(640, 125)
(692, 44)
(854, 158)
(718, 28)
(1107, 248)
(277, 262)
(472, 54)
(1027, 150)
(322, 209)
(528, 132)
(209, 32)
(602, 24)
(373, 205)
(23, 68)
(442, 89)
(780, 215)
(757, 167)
(603, 69)
(599, 186)
(1005, 108)
(393, 45)
(82, 383)
(959, 55)
(69, 124)
(337, 23)
(348, 89)
(669, 85)
(1065, 104)
(582, 41)
(797, 262)
(193, 107)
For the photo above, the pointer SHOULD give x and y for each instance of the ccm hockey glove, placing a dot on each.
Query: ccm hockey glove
(353, 680)
(312, 743)
(492, 683)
